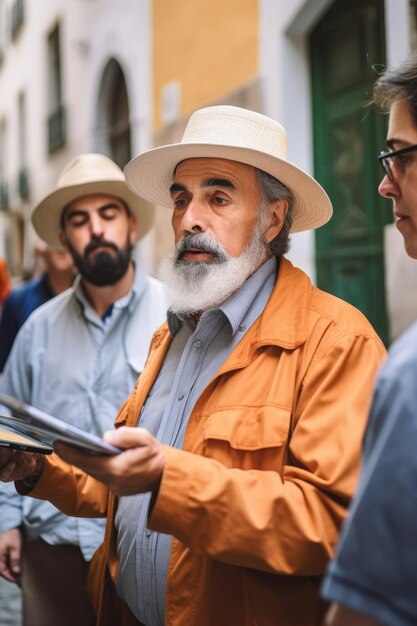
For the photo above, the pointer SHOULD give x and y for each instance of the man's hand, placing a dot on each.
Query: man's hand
(137, 469)
(10, 551)
(17, 465)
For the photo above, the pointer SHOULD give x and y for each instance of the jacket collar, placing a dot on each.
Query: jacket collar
(283, 322)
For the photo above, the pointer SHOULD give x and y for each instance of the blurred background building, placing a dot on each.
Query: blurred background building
(121, 77)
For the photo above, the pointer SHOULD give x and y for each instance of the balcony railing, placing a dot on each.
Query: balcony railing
(23, 183)
(4, 197)
(17, 17)
(56, 129)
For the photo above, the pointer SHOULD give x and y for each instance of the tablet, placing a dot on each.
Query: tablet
(10, 439)
(46, 429)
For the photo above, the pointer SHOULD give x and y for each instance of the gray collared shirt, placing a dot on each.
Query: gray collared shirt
(70, 363)
(197, 351)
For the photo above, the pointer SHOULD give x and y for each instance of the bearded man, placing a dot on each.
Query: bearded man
(242, 438)
(77, 357)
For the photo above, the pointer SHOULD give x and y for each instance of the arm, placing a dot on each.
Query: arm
(71, 490)
(55, 481)
(14, 464)
(375, 565)
(288, 522)
(10, 551)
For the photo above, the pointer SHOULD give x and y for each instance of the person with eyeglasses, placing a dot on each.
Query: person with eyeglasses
(372, 580)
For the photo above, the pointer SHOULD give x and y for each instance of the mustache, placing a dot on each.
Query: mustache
(203, 242)
(99, 243)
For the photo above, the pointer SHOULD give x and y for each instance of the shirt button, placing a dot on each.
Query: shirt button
(148, 532)
(241, 327)
(180, 397)
(198, 343)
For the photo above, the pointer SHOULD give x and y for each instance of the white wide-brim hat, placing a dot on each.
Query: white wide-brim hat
(86, 175)
(229, 132)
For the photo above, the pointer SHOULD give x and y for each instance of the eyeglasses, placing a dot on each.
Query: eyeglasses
(387, 162)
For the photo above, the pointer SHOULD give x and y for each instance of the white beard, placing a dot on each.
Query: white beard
(195, 287)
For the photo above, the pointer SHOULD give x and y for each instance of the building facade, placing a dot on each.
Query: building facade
(122, 77)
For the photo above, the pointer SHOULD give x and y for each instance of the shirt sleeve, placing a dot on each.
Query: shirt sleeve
(15, 382)
(10, 507)
(374, 571)
(16, 378)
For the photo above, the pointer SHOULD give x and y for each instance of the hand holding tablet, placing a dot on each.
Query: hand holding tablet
(17, 441)
(41, 428)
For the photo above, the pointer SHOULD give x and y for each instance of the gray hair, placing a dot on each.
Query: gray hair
(272, 189)
(398, 83)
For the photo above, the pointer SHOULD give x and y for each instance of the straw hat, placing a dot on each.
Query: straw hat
(87, 174)
(229, 132)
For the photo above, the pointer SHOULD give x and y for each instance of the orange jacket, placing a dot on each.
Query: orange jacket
(256, 498)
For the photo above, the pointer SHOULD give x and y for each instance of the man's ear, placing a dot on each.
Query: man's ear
(277, 211)
(63, 239)
(133, 228)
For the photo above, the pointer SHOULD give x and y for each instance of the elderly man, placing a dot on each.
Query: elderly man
(77, 357)
(242, 436)
(373, 578)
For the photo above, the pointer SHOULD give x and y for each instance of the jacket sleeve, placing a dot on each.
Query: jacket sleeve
(285, 521)
(70, 489)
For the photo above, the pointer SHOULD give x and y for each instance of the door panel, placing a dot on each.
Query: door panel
(348, 135)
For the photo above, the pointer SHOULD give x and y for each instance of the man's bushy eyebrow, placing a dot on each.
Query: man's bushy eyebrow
(219, 182)
(209, 182)
(177, 187)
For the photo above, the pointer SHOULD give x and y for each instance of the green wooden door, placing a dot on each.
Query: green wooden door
(345, 48)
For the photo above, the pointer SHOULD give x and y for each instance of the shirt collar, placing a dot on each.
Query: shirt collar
(129, 300)
(237, 305)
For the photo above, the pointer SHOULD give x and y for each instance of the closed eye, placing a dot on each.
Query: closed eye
(109, 212)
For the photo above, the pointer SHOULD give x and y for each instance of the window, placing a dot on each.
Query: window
(17, 16)
(23, 182)
(56, 117)
(3, 23)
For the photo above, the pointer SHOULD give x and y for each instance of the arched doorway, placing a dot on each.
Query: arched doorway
(113, 115)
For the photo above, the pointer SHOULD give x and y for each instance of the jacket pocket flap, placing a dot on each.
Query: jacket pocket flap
(249, 427)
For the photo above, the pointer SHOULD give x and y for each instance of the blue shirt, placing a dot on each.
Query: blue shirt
(197, 351)
(19, 304)
(70, 363)
(375, 567)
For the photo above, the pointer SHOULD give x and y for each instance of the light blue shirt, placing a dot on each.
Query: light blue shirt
(70, 363)
(197, 351)
(374, 569)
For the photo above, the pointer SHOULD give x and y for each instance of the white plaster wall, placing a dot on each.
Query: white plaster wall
(92, 32)
(401, 279)
(125, 36)
(284, 68)
(25, 68)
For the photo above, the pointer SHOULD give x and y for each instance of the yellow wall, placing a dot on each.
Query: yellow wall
(209, 46)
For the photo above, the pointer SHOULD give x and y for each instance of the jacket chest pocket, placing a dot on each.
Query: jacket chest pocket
(248, 437)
